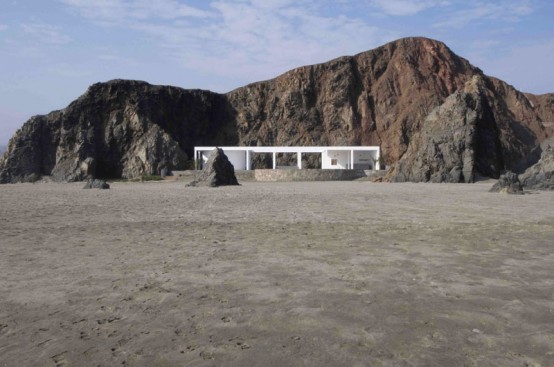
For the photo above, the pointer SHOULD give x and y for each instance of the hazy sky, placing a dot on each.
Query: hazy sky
(52, 50)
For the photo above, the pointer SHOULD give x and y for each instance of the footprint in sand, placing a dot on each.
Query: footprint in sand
(59, 360)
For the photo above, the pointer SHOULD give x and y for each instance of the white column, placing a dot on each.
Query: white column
(351, 159)
(248, 160)
(274, 160)
(299, 159)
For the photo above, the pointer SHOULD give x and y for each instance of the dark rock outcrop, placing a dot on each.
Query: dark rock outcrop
(96, 184)
(118, 129)
(387, 97)
(219, 171)
(444, 148)
(508, 183)
(457, 141)
(540, 176)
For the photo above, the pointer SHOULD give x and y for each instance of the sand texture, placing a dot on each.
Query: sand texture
(275, 274)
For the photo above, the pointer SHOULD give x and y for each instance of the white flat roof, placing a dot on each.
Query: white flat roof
(282, 149)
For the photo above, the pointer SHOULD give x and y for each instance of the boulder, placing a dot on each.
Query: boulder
(540, 176)
(445, 149)
(217, 172)
(96, 184)
(508, 183)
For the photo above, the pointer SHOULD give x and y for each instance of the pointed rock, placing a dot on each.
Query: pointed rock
(444, 150)
(219, 171)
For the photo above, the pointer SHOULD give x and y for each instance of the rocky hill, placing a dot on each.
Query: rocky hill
(118, 129)
(434, 115)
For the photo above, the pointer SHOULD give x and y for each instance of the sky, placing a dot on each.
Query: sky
(52, 50)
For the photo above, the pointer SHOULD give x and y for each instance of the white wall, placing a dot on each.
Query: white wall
(342, 157)
(364, 157)
(237, 158)
(205, 156)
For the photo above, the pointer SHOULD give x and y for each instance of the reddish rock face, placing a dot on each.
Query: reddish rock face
(381, 97)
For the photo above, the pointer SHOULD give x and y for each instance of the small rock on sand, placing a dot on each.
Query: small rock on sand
(508, 183)
(96, 184)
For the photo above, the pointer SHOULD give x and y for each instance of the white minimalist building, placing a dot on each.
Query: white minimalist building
(332, 157)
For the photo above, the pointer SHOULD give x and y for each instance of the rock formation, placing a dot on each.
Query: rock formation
(508, 183)
(382, 97)
(96, 184)
(456, 141)
(219, 171)
(540, 176)
(395, 96)
(118, 129)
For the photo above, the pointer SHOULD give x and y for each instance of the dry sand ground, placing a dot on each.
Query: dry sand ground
(275, 274)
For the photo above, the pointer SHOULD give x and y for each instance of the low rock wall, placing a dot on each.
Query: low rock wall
(308, 174)
(284, 175)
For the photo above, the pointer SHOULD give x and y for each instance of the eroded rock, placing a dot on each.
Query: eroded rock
(118, 129)
(540, 176)
(508, 183)
(219, 171)
(96, 184)
(445, 149)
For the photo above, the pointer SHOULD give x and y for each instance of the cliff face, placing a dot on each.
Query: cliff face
(388, 96)
(378, 97)
(118, 129)
(385, 97)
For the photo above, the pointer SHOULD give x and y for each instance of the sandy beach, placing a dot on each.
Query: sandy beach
(275, 274)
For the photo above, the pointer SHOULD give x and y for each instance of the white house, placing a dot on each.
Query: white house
(332, 157)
